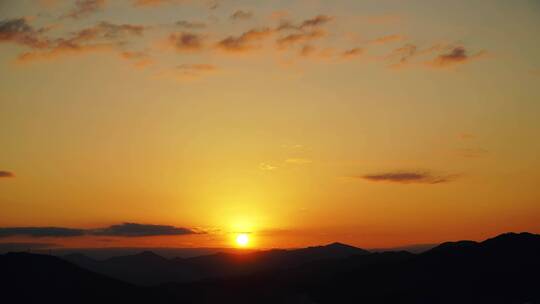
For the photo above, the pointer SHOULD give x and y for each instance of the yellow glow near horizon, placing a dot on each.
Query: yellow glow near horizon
(242, 239)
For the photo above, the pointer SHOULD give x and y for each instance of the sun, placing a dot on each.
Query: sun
(242, 239)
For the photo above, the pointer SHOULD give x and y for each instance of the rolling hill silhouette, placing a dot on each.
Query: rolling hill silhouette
(503, 269)
(147, 268)
(34, 278)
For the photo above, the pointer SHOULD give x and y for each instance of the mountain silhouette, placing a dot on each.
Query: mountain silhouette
(34, 278)
(147, 268)
(501, 270)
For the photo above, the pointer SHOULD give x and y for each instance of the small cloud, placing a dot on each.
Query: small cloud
(241, 15)
(20, 32)
(407, 54)
(457, 55)
(38, 232)
(307, 50)
(408, 177)
(244, 42)
(352, 53)
(6, 174)
(195, 70)
(298, 161)
(387, 39)
(404, 55)
(140, 230)
(316, 21)
(190, 25)
(212, 4)
(301, 37)
(86, 7)
(186, 41)
(138, 59)
(445, 56)
(267, 167)
(308, 24)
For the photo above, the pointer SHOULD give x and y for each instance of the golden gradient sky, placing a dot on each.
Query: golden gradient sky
(375, 123)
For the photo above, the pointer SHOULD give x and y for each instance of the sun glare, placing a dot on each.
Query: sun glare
(242, 239)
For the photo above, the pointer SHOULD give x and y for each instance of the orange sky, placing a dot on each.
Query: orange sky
(374, 123)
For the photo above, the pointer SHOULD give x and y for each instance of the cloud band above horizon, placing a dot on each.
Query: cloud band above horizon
(120, 230)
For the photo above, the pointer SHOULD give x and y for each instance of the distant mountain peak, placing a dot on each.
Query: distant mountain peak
(337, 247)
(77, 257)
(457, 244)
(514, 236)
(338, 244)
(144, 256)
(148, 253)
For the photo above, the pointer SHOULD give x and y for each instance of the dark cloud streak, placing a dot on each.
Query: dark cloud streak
(241, 15)
(121, 230)
(408, 177)
(6, 174)
(38, 232)
(86, 7)
(139, 230)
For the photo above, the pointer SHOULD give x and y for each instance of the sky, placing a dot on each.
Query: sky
(181, 123)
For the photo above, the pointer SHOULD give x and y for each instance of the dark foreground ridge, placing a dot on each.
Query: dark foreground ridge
(504, 269)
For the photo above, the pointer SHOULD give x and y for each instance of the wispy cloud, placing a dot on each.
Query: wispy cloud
(244, 42)
(306, 24)
(436, 56)
(298, 161)
(6, 174)
(387, 39)
(457, 55)
(41, 232)
(353, 53)
(302, 37)
(190, 24)
(19, 31)
(267, 167)
(186, 41)
(138, 59)
(196, 70)
(241, 15)
(408, 177)
(103, 36)
(307, 38)
(86, 7)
